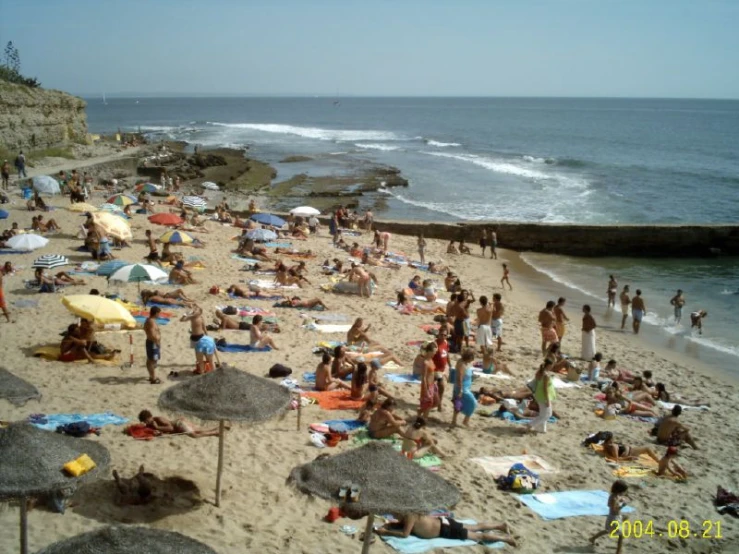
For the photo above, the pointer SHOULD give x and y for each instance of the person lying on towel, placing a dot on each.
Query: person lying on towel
(429, 527)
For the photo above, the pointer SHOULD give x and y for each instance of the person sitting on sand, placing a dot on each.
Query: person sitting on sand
(452, 248)
(181, 276)
(342, 365)
(357, 335)
(615, 373)
(65, 278)
(384, 423)
(375, 262)
(359, 381)
(224, 321)
(696, 320)
(180, 426)
(156, 297)
(417, 441)
(428, 290)
(491, 365)
(559, 360)
(415, 284)
(258, 337)
(46, 282)
(296, 302)
(324, 380)
(449, 281)
(74, 346)
(626, 406)
(44, 227)
(373, 378)
(464, 249)
(437, 268)
(404, 304)
(431, 527)
(668, 465)
(671, 432)
(621, 452)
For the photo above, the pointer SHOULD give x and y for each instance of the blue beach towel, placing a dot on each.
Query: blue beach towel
(278, 244)
(402, 378)
(310, 377)
(414, 545)
(241, 348)
(570, 504)
(344, 425)
(50, 422)
(508, 416)
(163, 306)
(159, 320)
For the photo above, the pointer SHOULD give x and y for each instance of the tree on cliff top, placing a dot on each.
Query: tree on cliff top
(10, 69)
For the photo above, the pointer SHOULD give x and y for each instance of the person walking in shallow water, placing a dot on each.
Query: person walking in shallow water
(678, 301)
(612, 291)
(638, 311)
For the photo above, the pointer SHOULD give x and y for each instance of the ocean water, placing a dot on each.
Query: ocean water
(508, 159)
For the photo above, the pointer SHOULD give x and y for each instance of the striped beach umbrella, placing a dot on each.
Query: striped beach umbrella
(122, 199)
(50, 261)
(176, 237)
(108, 268)
(136, 273)
(194, 202)
(147, 187)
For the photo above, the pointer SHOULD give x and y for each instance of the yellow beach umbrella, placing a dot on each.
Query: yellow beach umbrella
(114, 225)
(99, 309)
(176, 237)
(82, 207)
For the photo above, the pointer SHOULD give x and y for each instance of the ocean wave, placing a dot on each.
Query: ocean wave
(708, 343)
(727, 292)
(439, 144)
(558, 278)
(313, 132)
(377, 146)
(500, 166)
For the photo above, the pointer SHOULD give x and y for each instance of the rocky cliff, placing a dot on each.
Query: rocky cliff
(34, 118)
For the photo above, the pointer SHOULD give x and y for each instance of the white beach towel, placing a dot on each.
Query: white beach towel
(669, 406)
(321, 328)
(560, 384)
(258, 283)
(477, 373)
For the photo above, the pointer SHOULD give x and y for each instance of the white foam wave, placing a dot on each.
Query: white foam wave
(533, 159)
(439, 144)
(558, 278)
(313, 132)
(377, 146)
(708, 343)
(727, 292)
(500, 166)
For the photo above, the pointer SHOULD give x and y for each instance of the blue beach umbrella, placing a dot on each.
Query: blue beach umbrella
(46, 184)
(4, 214)
(268, 219)
(108, 268)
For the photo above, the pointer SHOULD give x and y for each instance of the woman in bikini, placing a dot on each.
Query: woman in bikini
(417, 442)
(429, 388)
(491, 365)
(357, 335)
(258, 336)
(621, 452)
(383, 423)
(359, 381)
(614, 398)
(153, 296)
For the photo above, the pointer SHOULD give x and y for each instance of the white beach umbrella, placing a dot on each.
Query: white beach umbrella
(135, 273)
(50, 261)
(46, 184)
(305, 211)
(210, 185)
(194, 202)
(261, 235)
(27, 242)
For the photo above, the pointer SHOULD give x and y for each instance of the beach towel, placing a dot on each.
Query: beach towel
(335, 400)
(508, 416)
(499, 465)
(159, 320)
(481, 374)
(251, 261)
(414, 545)
(403, 378)
(52, 352)
(278, 245)
(560, 384)
(263, 284)
(326, 316)
(338, 426)
(49, 422)
(163, 306)
(310, 377)
(328, 344)
(670, 405)
(557, 505)
(140, 432)
(327, 328)
(249, 311)
(241, 348)
(15, 390)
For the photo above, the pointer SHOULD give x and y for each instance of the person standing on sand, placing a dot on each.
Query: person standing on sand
(3, 305)
(462, 397)
(544, 395)
(422, 248)
(153, 344)
(548, 332)
(625, 301)
(588, 334)
(20, 165)
(561, 318)
(484, 336)
(441, 363)
(638, 310)
(611, 292)
(506, 275)
(678, 301)
(497, 321)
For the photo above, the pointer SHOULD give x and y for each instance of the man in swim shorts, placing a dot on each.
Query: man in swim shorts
(497, 321)
(197, 324)
(430, 527)
(638, 309)
(153, 344)
(678, 301)
(205, 349)
(548, 332)
(625, 303)
(484, 336)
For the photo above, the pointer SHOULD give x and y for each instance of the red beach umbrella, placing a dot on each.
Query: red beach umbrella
(166, 219)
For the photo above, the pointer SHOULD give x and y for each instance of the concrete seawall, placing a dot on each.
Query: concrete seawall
(675, 241)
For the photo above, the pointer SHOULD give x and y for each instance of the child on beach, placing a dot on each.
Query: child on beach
(505, 278)
(616, 502)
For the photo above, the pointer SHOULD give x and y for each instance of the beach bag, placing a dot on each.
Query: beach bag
(230, 310)
(215, 289)
(77, 429)
(279, 370)
(521, 479)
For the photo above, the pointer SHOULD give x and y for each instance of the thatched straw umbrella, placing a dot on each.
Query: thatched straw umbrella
(31, 462)
(226, 394)
(16, 390)
(128, 540)
(389, 482)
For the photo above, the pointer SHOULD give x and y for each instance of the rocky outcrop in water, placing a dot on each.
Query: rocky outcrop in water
(35, 118)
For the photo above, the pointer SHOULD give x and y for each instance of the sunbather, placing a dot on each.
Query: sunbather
(357, 335)
(158, 298)
(673, 433)
(417, 442)
(65, 278)
(165, 426)
(620, 452)
(296, 302)
(384, 423)
(668, 465)
(242, 292)
(430, 527)
(324, 380)
(258, 335)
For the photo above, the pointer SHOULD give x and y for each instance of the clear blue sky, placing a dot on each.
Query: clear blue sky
(651, 48)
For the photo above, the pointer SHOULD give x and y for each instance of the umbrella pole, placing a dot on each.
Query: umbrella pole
(368, 534)
(221, 433)
(24, 525)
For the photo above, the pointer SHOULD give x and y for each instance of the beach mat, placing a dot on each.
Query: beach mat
(509, 417)
(49, 422)
(558, 505)
(335, 400)
(327, 328)
(414, 545)
(52, 352)
(241, 348)
(499, 465)
(15, 390)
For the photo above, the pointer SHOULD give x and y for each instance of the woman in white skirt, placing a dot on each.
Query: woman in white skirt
(588, 334)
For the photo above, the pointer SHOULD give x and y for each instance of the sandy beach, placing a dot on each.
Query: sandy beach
(260, 512)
